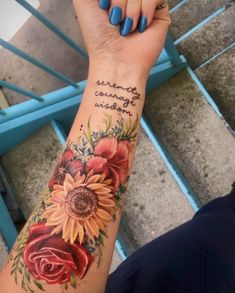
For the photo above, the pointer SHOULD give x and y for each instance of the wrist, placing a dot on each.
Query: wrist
(117, 72)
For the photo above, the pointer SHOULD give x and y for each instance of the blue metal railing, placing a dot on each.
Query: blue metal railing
(37, 63)
(21, 120)
(169, 54)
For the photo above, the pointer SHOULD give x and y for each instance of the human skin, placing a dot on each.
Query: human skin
(68, 242)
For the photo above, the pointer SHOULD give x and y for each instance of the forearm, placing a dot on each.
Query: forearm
(69, 239)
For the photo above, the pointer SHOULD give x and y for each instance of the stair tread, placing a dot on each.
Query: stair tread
(3, 252)
(209, 39)
(203, 148)
(38, 41)
(219, 79)
(192, 13)
(155, 203)
(29, 165)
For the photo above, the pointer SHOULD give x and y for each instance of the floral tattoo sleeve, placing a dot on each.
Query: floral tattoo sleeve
(66, 232)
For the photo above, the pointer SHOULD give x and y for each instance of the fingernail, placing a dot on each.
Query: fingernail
(115, 15)
(104, 4)
(142, 24)
(126, 26)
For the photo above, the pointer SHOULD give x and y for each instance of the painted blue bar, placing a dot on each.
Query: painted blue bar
(2, 112)
(171, 165)
(59, 131)
(19, 90)
(48, 99)
(120, 249)
(38, 63)
(17, 130)
(52, 27)
(164, 57)
(198, 26)
(206, 95)
(7, 227)
(215, 56)
(178, 6)
(161, 73)
(172, 51)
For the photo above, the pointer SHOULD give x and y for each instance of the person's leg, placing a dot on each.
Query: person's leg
(198, 256)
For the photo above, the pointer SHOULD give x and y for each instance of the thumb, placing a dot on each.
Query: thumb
(159, 27)
(163, 15)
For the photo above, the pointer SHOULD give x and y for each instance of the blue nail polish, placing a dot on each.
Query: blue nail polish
(126, 26)
(115, 15)
(142, 24)
(104, 4)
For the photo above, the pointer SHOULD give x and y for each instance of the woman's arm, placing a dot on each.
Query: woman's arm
(68, 241)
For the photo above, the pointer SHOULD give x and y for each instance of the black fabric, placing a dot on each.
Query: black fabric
(196, 257)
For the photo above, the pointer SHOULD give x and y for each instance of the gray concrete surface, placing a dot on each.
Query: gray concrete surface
(30, 164)
(172, 3)
(197, 139)
(3, 252)
(37, 40)
(155, 203)
(210, 39)
(192, 13)
(218, 77)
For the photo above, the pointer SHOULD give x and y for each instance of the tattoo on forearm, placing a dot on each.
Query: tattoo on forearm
(66, 232)
(128, 96)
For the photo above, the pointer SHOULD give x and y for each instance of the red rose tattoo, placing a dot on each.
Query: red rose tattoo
(48, 257)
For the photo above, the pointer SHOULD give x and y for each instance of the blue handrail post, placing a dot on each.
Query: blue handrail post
(20, 90)
(172, 51)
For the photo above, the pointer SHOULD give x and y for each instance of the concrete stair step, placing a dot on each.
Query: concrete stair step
(3, 252)
(219, 79)
(210, 39)
(173, 3)
(29, 165)
(155, 204)
(203, 148)
(192, 13)
(35, 39)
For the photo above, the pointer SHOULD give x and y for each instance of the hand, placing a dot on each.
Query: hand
(135, 53)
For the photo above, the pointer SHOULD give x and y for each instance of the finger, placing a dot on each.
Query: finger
(117, 11)
(104, 4)
(157, 31)
(147, 14)
(133, 10)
